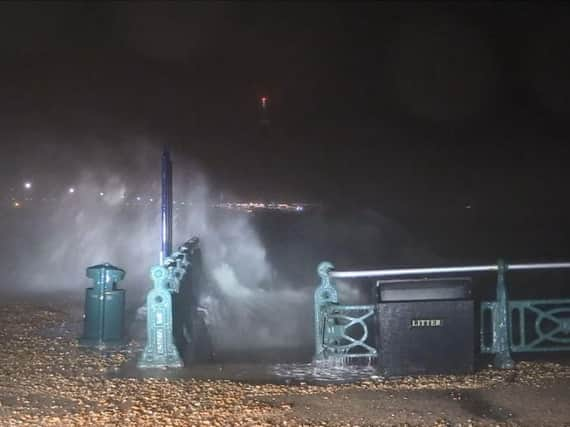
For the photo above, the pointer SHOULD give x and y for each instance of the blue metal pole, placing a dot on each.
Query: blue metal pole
(166, 205)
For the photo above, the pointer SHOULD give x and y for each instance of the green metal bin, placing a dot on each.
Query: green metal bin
(104, 307)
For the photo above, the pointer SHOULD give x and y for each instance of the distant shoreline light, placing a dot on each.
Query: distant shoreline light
(244, 206)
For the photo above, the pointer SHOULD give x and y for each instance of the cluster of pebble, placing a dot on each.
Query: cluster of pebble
(50, 380)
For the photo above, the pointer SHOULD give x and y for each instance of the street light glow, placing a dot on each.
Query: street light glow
(71, 190)
(27, 185)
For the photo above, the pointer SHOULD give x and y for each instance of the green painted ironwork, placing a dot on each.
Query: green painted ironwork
(325, 295)
(160, 350)
(547, 330)
(104, 307)
(337, 321)
(508, 321)
(501, 321)
(510, 329)
(333, 321)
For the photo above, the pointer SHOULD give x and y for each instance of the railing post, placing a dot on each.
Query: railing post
(501, 323)
(325, 295)
(160, 350)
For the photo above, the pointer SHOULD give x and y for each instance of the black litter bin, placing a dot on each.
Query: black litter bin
(425, 326)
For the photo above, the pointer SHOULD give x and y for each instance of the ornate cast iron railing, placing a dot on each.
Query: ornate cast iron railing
(504, 325)
(536, 325)
(333, 322)
(338, 321)
(160, 350)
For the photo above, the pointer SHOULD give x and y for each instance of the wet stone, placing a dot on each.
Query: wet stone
(47, 379)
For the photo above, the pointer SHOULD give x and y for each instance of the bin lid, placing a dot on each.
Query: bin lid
(436, 288)
(115, 272)
(106, 266)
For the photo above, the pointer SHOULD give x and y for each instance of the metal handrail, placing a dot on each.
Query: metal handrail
(326, 295)
(442, 270)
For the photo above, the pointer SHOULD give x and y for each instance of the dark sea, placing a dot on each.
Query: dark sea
(358, 238)
(36, 244)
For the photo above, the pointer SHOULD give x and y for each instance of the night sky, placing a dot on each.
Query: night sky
(441, 104)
